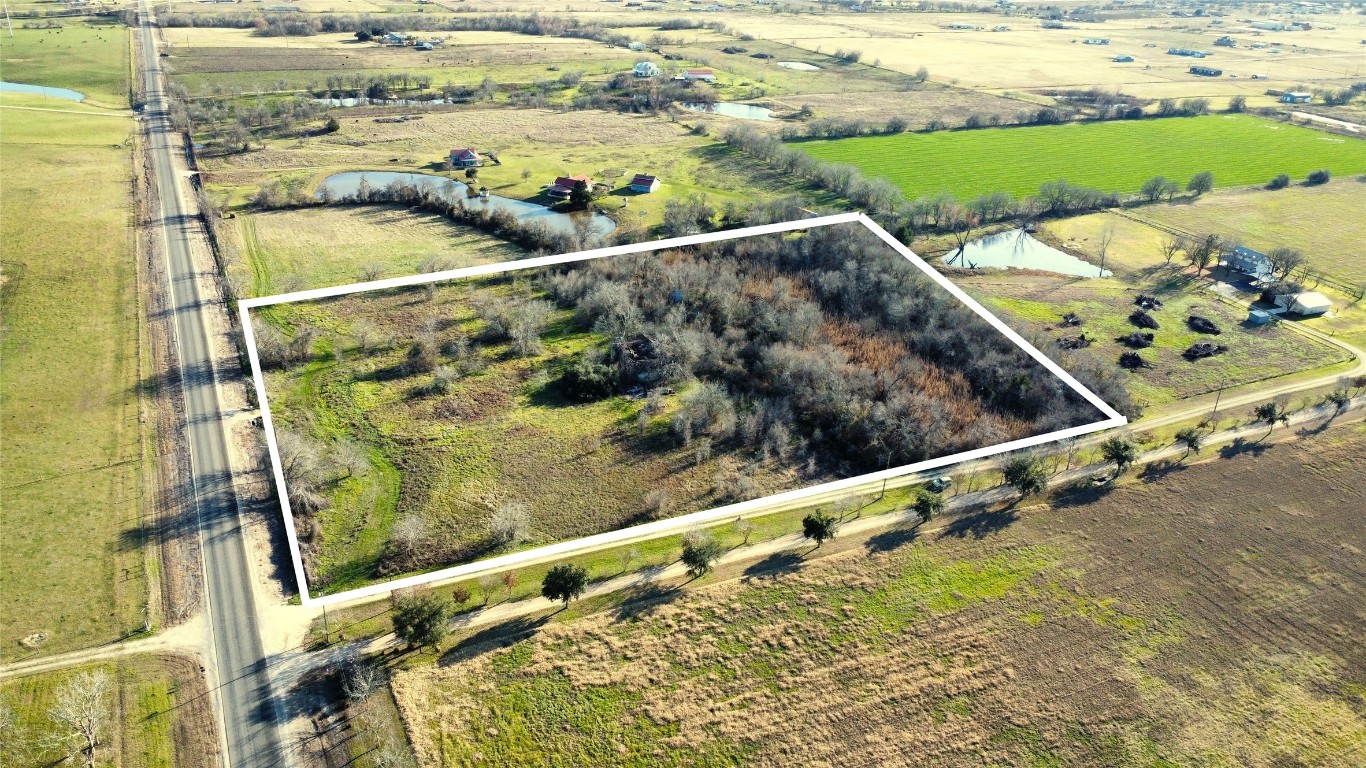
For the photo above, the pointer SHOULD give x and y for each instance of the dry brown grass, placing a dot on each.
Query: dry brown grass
(1173, 619)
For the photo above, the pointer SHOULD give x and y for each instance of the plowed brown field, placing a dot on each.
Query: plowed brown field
(1208, 616)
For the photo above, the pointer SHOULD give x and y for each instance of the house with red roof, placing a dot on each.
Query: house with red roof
(564, 185)
(464, 158)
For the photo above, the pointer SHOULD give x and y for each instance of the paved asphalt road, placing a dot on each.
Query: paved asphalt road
(245, 702)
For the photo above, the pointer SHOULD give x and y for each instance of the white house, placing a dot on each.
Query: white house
(646, 69)
(705, 75)
(1308, 303)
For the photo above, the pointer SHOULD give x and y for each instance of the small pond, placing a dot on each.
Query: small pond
(342, 184)
(742, 111)
(42, 90)
(1020, 250)
(800, 66)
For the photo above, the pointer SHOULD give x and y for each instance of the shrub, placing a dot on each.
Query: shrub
(1320, 176)
(700, 551)
(1281, 181)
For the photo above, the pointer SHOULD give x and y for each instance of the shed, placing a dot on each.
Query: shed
(464, 158)
(643, 182)
(705, 75)
(1294, 97)
(1259, 317)
(1308, 303)
(1122, 58)
(1097, 41)
(645, 69)
(1206, 71)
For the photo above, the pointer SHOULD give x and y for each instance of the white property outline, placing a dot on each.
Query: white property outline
(659, 527)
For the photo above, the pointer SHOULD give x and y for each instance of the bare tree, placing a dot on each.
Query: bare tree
(81, 712)
(361, 679)
(511, 522)
(1169, 247)
(1107, 236)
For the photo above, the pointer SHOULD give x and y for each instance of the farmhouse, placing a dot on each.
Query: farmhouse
(705, 75)
(1206, 71)
(1249, 262)
(646, 69)
(1296, 98)
(642, 182)
(1308, 303)
(464, 158)
(561, 188)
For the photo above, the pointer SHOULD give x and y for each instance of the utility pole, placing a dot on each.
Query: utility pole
(8, 23)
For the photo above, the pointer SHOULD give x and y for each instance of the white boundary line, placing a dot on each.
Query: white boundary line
(659, 527)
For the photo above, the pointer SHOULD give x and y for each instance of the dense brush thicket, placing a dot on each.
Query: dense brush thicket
(825, 344)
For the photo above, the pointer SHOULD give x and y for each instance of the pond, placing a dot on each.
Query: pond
(742, 111)
(41, 90)
(800, 66)
(1020, 250)
(342, 184)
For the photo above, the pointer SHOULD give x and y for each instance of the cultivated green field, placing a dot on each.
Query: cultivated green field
(81, 56)
(1111, 156)
(70, 458)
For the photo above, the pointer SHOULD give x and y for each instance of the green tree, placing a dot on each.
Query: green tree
(1152, 188)
(1271, 413)
(420, 618)
(927, 505)
(1201, 183)
(819, 526)
(1120, 451)
(580, 196)
(565, 583)
(1192, 438)
(700, 551)
(1026, 474)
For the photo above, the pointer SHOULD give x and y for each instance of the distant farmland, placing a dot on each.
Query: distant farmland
(1112, 156)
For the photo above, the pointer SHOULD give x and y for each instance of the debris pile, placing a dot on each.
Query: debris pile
(1074, 342)
(1202, 325)
(1203, 349)
(1136, 340)
(1148, 302)
(1070, 319)
(1132, 361)
(1143, 319)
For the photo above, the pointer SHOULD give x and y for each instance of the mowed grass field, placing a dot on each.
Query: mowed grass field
(70, 458)
(1111, 156)
(158, 708)
(316, 247)
(86, 55)
(1021, 637)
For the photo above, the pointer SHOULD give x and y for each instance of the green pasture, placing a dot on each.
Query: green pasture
(83, 56)
(1112, 156)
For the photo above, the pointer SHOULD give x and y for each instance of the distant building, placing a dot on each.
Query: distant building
(1123, 57)
(1097, 41)
(1270, 26)
(1206, 71)
(1308, 303)
(1226, 42)
(464, 158)
(1001, 28)
(1296, 98)
(646, 69)
(564, 185)
(1187, 52)
(636, 46)
(423, 46)
(965, 27)
(642, 182)
(1254, 264)
(705, 75)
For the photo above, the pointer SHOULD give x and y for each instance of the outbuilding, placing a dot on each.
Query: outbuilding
(1206, 71)
(643, 182)
(705, 75)
(1308, 303)
(1294, 97)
